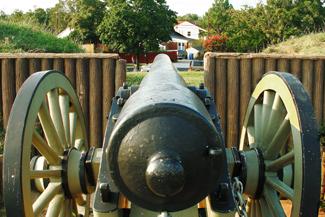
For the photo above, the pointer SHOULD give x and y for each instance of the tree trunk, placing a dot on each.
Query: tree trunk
(137, 60)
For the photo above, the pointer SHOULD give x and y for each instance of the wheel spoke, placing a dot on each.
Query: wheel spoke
(79, 144)
(49, 129)
(41, 145)
(55, 112)
(281, 162)
(265, 210)
(252, 208)
(266, 110)
(258, 124)
(276, 117)
(73, 126)
(251, 135)
(55, 206)
(279, 140)
(280, 187)
(258, 209)
(273, 202)
(64, 106)
(36, 174)
(43, 200)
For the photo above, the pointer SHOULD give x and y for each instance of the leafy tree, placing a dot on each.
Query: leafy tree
(40, 16)
(60, 16)
(87, 16)
(136, 26)
(218, 17)
(192, 18)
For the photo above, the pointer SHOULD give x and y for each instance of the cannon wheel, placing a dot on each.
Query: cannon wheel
(280, 124)
(44, 142)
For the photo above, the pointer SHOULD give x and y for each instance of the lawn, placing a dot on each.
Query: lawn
(191, 77)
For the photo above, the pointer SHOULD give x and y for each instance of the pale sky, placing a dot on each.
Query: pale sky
(180, 6)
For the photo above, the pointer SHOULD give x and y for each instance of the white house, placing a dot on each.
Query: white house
(189, 30)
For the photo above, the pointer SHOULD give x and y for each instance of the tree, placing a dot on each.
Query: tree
(192, 18)
(136, 26)
(60, 16)
(86, 18)
(218, 18)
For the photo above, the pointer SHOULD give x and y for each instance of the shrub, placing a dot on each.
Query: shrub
(215, 43)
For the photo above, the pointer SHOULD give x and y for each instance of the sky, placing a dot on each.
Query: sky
(180, 6)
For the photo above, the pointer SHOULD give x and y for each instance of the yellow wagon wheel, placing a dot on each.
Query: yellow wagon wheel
(282, 153)
(45, 148)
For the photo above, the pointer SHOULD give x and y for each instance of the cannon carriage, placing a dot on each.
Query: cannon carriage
(163, 153)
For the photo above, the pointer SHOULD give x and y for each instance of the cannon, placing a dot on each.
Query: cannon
(163, 153)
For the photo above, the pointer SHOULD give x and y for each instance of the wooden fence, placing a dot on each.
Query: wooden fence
(231, 79)
(95, 77)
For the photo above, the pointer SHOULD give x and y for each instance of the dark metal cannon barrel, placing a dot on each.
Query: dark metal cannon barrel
(164, 153)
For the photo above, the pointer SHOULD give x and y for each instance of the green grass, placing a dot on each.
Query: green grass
(191, 77)
(312, 44)
(21, 37)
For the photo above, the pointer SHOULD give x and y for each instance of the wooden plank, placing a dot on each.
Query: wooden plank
(22, 72)
(1, 110)
(95, 102)
(70, 70)
(270, 65)
(82, 88)
(209, 74)
(34, 65)
(120, 73)
(233, 102)
(108, 88)
(296, 68)
(47, 64)
(258, 71)
(58, 64)
(221, 92)
(308, 76)
(319, 90)
(245, 87)
(283, 65)
(8, 88)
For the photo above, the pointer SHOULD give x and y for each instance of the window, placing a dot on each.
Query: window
(188, 34)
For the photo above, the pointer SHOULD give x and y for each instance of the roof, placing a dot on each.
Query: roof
(187, 23)
(65, 33)
(176, 35)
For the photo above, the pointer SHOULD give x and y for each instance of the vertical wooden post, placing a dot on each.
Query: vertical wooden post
(270, 64)
(108, 88)
(245, 87)
(8, 88)
(58, 65)
(258, 71)
(21, 72)
(70, 70)
(221, 92)
(308, 76)
(95, 102)
(283, 65)
(34, 65)
(209, 73)
(319, 90)
(1, 96)
(47, 64)
(120, 73)
(296, 68)
(82, 88)
(233, 102)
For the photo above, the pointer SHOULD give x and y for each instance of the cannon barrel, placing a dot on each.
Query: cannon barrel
(164, 152)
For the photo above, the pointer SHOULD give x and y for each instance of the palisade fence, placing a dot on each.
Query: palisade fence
(95, 77)
(231, 79)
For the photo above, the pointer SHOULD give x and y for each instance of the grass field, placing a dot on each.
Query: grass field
(191, 77)
(16, 38)
(312, 44)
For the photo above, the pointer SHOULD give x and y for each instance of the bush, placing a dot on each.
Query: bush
(322, 134)
(215, 43)
(16, 37)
